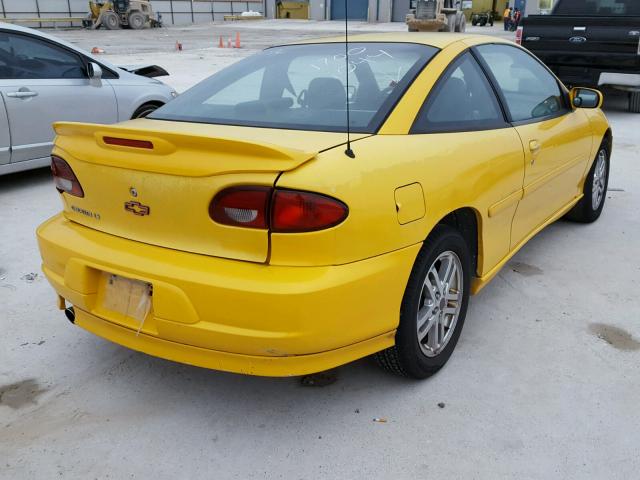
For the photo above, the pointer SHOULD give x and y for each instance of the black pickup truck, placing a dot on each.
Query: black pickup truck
(590, 43)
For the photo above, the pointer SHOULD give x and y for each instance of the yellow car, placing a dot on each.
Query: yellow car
(243, 227)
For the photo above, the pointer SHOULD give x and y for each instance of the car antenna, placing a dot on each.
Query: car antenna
(348, 152)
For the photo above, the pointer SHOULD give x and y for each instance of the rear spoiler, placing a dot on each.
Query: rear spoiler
(140, 145)
(145, 70)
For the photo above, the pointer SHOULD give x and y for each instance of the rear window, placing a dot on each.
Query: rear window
(597, 7)
(304, 87)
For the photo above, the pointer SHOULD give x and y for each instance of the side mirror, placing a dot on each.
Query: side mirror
(585, 97)
(94, 71)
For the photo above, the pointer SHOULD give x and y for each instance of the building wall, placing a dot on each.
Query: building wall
(175, 12)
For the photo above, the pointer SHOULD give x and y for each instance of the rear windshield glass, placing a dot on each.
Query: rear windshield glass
(303, 87)
(597, 7)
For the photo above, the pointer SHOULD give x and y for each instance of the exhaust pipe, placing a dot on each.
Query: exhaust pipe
(70, 314)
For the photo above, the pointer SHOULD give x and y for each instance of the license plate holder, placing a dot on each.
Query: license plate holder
(127, 297)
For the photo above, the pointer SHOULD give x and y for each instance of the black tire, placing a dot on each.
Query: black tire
(483, 22)
(110, 20)
(137, 20)
(634, 102)
(406, 357)
(145, 110)
(474, 21)
(585, 211)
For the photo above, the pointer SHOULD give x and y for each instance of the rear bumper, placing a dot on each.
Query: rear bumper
(230, 315)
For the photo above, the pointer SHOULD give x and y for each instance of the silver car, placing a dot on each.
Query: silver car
(45, 80)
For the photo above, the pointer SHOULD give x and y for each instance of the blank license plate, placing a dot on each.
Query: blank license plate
(131, 298)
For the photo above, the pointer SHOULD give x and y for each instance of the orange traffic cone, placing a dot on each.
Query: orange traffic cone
(221, 44)
(237, 40)
(229, 43)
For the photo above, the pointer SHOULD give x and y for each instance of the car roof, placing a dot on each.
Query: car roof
(434, 39)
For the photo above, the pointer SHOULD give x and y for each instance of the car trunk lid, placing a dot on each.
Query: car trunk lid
(152, 181)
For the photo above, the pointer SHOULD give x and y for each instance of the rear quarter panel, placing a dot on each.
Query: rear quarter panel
(479, 170)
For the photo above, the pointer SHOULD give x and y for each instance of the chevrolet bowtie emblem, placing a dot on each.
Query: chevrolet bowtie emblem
(137, 208)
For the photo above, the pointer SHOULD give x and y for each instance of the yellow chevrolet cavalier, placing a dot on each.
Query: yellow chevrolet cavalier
(236, 229)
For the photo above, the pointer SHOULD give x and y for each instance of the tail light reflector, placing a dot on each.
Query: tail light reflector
(295, 211)
(241, 206)
(519, 35)
(281, 211)
(64, 178)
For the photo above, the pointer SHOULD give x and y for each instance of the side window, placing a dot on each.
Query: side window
(461, 100)
(246, 89)
(26, 57)
(529, 90)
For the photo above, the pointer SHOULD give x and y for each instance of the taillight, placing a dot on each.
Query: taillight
(64, 178)
(519, 35)
(282, 211)
(241, 206)
(295, 211)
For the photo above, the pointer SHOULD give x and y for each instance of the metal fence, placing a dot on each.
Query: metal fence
(174, 12)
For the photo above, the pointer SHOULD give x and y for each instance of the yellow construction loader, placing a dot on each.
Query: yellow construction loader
(135, 14)
(436, 16)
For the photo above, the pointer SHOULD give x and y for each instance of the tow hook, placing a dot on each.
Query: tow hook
(70, 314)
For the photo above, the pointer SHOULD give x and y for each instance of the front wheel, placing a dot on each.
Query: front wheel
(145, 110)
(110, 20)
(589, 208)
(433, 308)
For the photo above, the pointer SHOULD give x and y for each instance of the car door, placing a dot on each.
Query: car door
(476, 152)
(42, 83)
(556, 139)
(5, 138)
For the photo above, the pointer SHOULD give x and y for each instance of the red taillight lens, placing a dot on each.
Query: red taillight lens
(295, 211)
(241, 206)
(64, 178)
(519, 35)
(282, 211)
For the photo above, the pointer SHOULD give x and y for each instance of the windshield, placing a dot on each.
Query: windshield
(598, 7)
(303, 87)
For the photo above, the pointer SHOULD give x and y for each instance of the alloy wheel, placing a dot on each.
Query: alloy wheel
(440, 303)
(599, 180)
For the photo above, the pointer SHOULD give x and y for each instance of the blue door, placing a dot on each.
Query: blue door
(357, 9)
(521, 5)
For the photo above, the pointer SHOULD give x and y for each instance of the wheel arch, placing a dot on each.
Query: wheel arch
(155, 103)
(608, 138)
(468, 222)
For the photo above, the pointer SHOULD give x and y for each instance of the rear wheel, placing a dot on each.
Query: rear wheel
(589, 208)
(634, 102)
(433, 308)
(451, 23)
(137, 20)
(110, 20)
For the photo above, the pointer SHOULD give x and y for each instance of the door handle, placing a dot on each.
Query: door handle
(534, 148)
(22, 94)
